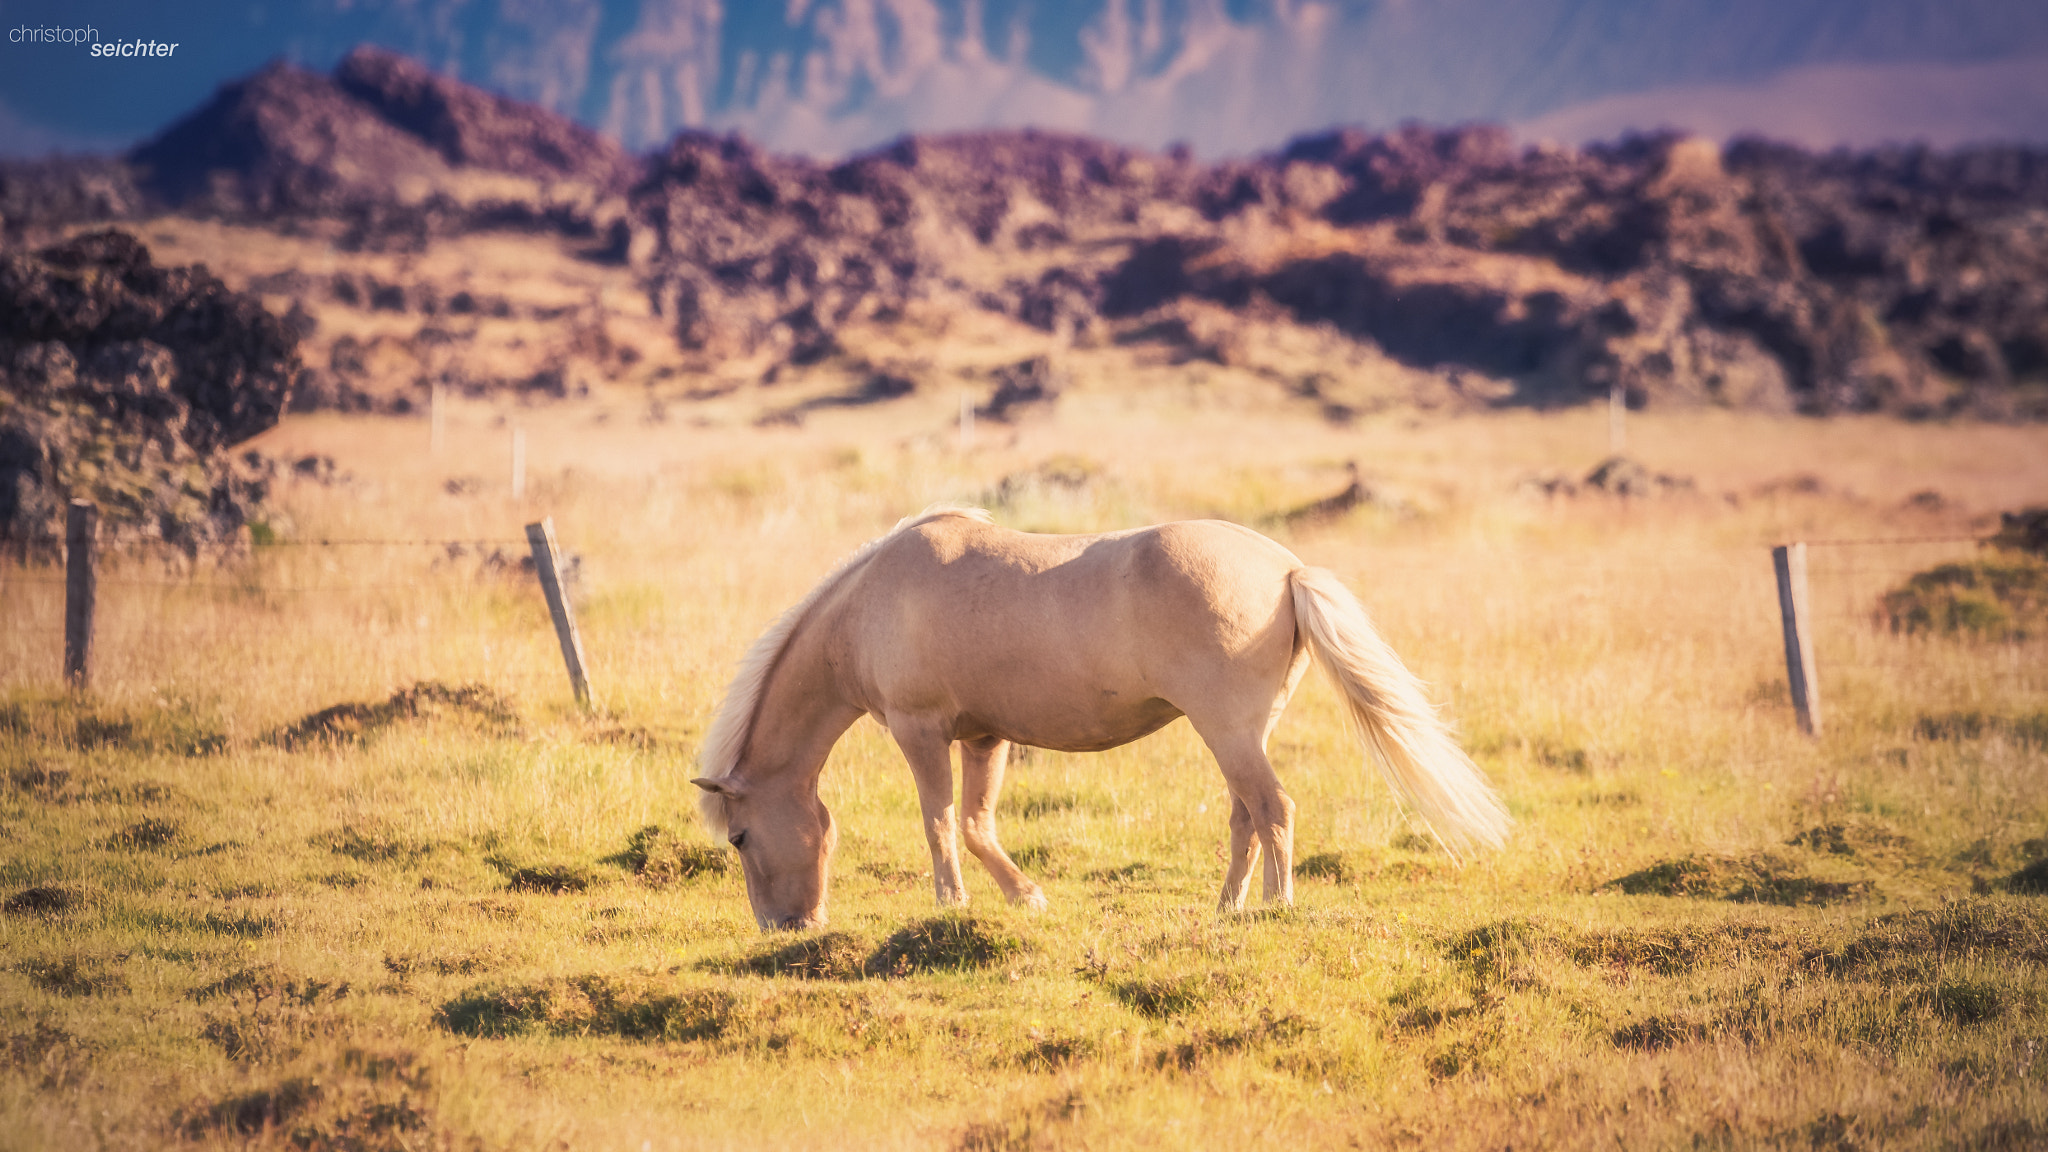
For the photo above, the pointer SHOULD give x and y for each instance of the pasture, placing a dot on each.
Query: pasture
(445, 916)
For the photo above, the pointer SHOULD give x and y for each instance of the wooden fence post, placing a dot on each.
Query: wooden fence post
(81, 589)
(541, 538)
(1796, 611)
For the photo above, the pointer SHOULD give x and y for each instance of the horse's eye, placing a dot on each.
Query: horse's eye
(737, 840)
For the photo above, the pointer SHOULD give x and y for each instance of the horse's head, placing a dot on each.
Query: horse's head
(784, 837)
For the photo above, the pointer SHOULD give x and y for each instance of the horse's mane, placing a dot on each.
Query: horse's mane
(727, 739)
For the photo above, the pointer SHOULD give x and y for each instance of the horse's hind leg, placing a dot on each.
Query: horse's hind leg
(982, 762)
(1260, 808)
(930, 755)
(1244, 854)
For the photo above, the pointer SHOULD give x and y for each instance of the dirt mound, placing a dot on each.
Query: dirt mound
(123, 381)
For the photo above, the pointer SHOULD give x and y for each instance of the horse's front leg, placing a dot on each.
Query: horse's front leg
(982, 762)
(930, 753)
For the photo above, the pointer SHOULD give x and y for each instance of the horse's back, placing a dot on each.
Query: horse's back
(1069, 641)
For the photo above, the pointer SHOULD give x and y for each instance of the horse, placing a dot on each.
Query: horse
(952, 630)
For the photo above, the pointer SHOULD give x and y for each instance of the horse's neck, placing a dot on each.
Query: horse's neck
(803, 711)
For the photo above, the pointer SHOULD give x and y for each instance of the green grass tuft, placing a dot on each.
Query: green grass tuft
(824, 956)
(638, 1007)
(427, 699)
(1758, 878)
(948, 942)
(44, 900)
(149, 833)
(661, 858)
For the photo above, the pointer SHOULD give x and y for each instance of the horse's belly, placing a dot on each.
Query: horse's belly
(1070, 726)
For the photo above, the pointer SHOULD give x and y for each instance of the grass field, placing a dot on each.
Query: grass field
(452, 917)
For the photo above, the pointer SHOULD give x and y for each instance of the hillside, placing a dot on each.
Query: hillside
(1349, 270)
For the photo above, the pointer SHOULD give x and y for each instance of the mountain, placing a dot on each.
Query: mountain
(382, 131)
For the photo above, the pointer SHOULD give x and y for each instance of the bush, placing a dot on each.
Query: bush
(2003, 597)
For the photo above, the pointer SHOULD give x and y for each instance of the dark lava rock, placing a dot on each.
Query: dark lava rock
(122, 382)
(1022, 386)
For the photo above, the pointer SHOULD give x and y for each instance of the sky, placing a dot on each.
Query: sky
(1227, 77)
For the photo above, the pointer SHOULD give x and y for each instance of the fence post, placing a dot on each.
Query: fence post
(541, 538)
(81, 589)
(966, 420)
(1617, 419)
(1795, 610)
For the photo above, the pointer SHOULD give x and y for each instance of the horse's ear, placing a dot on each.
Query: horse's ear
(724, 786)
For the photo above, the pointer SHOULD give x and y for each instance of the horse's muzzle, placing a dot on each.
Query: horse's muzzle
(793, 923)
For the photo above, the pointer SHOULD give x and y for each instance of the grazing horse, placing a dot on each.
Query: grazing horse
(952, 630)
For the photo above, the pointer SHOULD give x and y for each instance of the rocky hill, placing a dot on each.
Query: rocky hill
(1757, 276)
(398, 149)
(125, 382)
(1672, 269)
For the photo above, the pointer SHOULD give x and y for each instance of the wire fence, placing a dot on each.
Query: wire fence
(1854, 563)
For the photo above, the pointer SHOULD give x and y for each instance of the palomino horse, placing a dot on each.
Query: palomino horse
(952, 630)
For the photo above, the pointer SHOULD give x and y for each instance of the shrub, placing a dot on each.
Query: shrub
(2003, 597)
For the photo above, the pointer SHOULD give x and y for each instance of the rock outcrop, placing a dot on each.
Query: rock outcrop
(1762, 276)
(125, 383)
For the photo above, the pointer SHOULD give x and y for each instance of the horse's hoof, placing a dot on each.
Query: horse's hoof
(1033, 899)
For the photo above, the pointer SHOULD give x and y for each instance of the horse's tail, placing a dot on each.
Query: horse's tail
(1415, 748)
